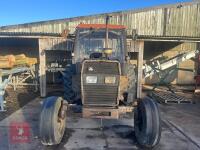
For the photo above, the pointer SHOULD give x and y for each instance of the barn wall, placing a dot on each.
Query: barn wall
(174, 20)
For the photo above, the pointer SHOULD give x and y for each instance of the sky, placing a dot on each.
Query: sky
(25, 11)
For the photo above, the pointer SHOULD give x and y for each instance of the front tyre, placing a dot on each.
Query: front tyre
(147, 123)
(52, 121)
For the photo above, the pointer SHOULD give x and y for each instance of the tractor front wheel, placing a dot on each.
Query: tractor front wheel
(147, 123)
(52, 121)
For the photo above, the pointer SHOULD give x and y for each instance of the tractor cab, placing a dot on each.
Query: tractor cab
(97, 41)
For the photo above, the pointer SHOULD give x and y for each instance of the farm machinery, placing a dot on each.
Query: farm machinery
(102, 77)
(103, 80)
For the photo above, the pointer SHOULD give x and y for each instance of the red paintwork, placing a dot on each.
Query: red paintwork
(101, 26)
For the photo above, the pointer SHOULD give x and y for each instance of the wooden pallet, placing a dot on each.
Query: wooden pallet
(168, 97)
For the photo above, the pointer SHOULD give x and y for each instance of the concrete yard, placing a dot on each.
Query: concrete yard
(180, 131)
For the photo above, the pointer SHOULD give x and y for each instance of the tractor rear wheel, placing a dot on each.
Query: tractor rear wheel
(52, 121)
(69, 94)
(147, 123)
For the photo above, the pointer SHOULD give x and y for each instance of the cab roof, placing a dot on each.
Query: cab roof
(100, 26)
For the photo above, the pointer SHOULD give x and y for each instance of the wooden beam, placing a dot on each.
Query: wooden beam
(140, 48)
(42, 67)
(171, 40)
(31, 36)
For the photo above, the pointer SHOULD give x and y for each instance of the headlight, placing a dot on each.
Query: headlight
(110, 80)
(91, 79)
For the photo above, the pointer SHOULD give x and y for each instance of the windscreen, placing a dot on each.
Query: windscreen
(93, 41)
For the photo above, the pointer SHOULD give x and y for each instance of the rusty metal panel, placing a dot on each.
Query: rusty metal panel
(100, 112)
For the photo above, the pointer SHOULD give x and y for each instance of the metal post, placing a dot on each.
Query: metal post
(14, 83)
(17, 81)
(106, 42)
(1, 95)
(36, 81)
(0, 79)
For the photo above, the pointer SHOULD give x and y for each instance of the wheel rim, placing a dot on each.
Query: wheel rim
(60, 122)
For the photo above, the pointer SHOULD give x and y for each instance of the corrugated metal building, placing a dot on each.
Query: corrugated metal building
(178, 20)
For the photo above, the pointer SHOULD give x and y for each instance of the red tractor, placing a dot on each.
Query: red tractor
(103, 79)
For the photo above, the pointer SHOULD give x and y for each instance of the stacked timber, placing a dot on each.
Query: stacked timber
(23, 60)
(10, 61)
(7, 61)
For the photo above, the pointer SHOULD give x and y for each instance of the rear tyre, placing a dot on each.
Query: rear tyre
(69, 94)
(147, 123)
(52, 125)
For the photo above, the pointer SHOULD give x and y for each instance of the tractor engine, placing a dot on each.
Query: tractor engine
(100, 82)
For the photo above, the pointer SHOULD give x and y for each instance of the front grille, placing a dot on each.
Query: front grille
(100, 67)
(100, 95)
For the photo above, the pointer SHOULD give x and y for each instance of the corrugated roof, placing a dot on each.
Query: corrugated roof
(29, 34)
